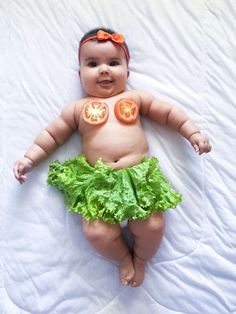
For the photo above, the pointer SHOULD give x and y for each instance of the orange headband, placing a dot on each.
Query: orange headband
(116, 38)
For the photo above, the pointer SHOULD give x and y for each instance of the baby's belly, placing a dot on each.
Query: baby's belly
(117, 149)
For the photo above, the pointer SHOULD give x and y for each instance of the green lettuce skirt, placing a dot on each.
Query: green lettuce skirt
(113, 195)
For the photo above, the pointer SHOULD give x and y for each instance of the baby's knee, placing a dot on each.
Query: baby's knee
(100, 232)
(155, 224)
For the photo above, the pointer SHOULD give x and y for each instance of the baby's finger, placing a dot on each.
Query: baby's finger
(16, 170)
(205, 148)
(22, 179)
(196, 148)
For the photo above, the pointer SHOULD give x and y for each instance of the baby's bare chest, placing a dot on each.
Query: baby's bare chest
(97, 115)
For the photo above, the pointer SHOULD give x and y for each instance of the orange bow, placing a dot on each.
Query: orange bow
(101, 35)
(117, 38)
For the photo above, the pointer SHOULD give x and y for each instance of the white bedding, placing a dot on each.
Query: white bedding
(181, 51)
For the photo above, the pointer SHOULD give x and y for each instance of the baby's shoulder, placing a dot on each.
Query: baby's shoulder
(71, 112)
(133, 94)
(139, 96)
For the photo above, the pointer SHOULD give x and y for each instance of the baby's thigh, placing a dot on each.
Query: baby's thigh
(101, 231)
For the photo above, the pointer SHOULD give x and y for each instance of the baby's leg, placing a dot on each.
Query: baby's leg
(147, 238)
(109, 242)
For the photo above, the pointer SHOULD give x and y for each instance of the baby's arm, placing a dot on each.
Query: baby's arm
(174, 117)
(47, 141)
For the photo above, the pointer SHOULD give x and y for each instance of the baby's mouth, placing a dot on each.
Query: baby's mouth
(105, 82)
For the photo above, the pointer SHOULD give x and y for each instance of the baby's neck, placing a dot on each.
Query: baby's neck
(107, 97)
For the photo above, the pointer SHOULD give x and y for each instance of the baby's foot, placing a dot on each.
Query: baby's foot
(139, 267)
(126, 270)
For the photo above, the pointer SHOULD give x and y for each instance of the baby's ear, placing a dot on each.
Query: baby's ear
(79, 72)
(128, 73)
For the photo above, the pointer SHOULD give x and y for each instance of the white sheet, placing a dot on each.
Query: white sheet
(181, 51)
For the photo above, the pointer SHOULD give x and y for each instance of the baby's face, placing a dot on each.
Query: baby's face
(103, 69)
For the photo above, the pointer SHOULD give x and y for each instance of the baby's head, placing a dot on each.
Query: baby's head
(103, 57)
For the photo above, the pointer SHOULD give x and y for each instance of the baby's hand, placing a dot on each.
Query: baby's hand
(21, 167)
(200, 143)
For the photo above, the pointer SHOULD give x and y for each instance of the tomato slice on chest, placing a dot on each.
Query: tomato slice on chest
(126, 110)
(95, 112)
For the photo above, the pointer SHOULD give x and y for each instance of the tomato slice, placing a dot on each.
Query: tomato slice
(95, 112)
(126, 110)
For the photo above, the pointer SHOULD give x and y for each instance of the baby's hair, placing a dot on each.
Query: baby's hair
(93, 32)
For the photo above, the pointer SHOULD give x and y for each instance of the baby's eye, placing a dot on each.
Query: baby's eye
(92, 64)
(114, 63)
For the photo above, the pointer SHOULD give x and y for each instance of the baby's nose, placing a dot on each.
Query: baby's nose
(104, 69)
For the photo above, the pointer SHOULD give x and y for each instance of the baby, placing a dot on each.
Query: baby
(113, 180)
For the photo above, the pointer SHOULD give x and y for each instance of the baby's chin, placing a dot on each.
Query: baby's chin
(103, 93)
